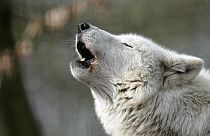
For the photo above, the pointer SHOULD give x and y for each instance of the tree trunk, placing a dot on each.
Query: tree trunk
(16, 118)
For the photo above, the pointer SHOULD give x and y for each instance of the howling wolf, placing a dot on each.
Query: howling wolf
(141, 88)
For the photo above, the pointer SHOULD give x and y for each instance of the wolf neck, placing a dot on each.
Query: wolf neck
(102, 95)
(158, 112)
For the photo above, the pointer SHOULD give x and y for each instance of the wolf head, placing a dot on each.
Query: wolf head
(128, 66)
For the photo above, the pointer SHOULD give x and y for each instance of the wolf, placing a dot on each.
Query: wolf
(140, 88)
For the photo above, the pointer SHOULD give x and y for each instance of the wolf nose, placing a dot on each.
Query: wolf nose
(83, 27)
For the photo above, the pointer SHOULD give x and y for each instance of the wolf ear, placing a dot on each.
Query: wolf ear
(180, 69)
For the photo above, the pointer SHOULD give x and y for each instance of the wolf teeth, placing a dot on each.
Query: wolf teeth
(83, 59)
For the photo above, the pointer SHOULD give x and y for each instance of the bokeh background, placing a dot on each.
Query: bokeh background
(38, 95)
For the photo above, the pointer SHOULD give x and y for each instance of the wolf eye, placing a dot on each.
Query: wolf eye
(127, 45)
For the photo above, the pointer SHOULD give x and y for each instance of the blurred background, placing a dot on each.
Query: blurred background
(38, 95)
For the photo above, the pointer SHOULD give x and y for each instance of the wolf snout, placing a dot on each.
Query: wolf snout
(83, 27)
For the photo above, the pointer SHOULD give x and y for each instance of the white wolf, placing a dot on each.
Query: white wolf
(140, 88)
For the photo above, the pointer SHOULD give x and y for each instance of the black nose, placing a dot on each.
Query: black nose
(83, 27)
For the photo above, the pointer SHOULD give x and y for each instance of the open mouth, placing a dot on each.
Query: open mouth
(86, 54)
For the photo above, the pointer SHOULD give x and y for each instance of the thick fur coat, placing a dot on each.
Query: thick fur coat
(141, 88)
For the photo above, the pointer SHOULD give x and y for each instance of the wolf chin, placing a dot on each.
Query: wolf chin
(141, 88)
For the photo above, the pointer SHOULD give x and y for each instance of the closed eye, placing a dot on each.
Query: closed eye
(127, 45)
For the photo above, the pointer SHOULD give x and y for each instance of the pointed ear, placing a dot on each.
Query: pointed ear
(180, 69)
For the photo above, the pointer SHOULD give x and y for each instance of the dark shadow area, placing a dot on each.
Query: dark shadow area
(16, 118)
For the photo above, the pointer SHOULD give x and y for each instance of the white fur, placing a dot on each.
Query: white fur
(144, 89)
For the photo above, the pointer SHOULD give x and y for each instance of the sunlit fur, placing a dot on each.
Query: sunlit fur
(143, 89)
